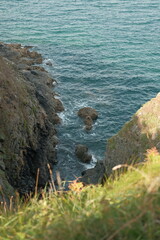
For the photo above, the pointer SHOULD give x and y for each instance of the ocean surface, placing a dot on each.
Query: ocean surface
(105, 54)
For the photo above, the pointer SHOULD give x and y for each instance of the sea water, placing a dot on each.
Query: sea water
(105, 55)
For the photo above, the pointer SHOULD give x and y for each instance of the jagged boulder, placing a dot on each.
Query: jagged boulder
(142, 132)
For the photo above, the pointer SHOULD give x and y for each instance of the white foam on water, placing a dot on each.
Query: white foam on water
(94, 159)
(67, 135)
(93, 134)
(79, 105)
(48, 61)
(64, 118)
(92, 163)
(56, 96)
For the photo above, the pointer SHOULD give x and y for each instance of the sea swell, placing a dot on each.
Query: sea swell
(104, 55)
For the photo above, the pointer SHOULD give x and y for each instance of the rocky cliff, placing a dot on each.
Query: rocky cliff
(28, 114)
(142, 132)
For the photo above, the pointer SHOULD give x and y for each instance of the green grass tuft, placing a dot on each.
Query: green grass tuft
(126, 208)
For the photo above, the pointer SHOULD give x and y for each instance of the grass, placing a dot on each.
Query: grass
(127, 207)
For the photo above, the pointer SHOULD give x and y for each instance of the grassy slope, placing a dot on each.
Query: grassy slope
(142, 132)
(127, 208)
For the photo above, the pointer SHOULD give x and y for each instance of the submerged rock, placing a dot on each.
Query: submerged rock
(81, 152)
(48, 62)
(88, 114)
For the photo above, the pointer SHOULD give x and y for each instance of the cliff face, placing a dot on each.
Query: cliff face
(27, 120)
(142, 132)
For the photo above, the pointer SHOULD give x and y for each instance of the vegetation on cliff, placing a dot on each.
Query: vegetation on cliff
(28, 114)
(139, 134)
(126, 207)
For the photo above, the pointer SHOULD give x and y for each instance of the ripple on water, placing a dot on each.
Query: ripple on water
(104, 54)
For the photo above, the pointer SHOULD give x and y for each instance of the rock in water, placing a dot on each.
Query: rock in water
(93, 175)
(88, 123)
(88, 111)
(88, 114)
(48, 62)
(81, 152)
(58, 105)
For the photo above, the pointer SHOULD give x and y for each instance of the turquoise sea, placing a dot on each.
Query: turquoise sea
(105, 54)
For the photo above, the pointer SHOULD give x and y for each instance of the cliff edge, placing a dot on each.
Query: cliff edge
(142, 132)
(28, 114)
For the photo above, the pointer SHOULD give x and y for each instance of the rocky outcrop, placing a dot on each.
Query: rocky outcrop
(28, 114)
(93, 175)
(81, 152)
(88, 115)
(142, 132)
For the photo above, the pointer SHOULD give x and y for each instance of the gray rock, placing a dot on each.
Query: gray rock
(28, 114)
(93, 175)
(58, 105)
(81, 152)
